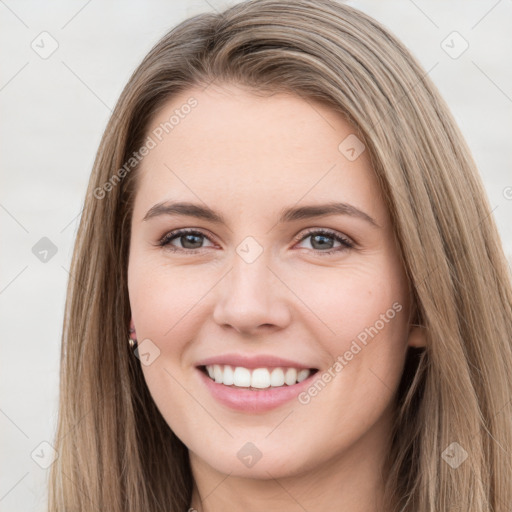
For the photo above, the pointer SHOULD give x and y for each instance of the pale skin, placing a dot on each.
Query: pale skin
(248, 158)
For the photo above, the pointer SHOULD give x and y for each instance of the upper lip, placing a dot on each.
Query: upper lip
(255, 361)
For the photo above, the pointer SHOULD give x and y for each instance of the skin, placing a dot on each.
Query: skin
(247, 157)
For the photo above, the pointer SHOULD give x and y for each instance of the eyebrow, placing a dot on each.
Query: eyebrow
(286, 215)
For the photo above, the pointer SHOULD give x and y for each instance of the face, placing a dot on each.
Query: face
(256, 282)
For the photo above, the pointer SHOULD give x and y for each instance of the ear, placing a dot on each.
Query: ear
(417, 336)
(132, 325)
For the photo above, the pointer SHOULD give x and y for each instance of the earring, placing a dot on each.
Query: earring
(132, 342)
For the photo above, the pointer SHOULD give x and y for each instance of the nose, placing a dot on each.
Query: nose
(252, 299)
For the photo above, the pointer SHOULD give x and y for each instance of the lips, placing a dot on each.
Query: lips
(254, 383)
(251, 362)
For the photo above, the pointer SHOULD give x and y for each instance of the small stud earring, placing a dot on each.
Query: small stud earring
(132, 342)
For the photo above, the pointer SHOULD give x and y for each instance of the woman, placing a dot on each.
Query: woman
(285, 222)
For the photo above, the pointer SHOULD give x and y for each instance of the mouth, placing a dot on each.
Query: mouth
(256, 379)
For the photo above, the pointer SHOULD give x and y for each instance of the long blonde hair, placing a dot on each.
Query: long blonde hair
(116, 452)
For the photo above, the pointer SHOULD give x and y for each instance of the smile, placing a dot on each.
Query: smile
(256, 378)
(254, 390)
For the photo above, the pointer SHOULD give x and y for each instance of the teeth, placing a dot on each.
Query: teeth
(302, 374)
(290, 377)
(277, 378)
(228, 376)
(260, 378)
(241, 377)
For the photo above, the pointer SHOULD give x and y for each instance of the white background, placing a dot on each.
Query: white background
(54, 111)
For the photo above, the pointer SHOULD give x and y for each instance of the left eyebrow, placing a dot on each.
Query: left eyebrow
(286, 215)
(320, 210)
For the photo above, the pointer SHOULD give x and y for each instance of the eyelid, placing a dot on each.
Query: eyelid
(335, 234)
(175, 233)
(347, 242)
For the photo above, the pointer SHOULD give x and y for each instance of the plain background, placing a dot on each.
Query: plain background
(54, 111)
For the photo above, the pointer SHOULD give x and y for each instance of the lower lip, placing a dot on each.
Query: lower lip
(247, 400)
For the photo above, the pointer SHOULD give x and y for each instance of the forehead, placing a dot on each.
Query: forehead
(227, 143)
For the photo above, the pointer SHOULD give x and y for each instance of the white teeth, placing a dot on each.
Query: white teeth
(260, 378)
(242, 377)
(217, 373)
(302, 374)
(290, 377)
(277, 377)
(227, 376)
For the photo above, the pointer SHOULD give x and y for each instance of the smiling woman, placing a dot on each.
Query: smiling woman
(298, 299)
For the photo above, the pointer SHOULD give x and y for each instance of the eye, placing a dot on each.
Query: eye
(190, 240)
(320, 241)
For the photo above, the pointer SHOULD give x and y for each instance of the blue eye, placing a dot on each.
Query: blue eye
(186, 236)
(191, 241)
(320, 237)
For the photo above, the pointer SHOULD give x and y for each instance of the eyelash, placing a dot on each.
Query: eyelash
(169, 237)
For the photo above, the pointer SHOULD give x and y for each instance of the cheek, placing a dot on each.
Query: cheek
(162, 298)
(351, 302)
